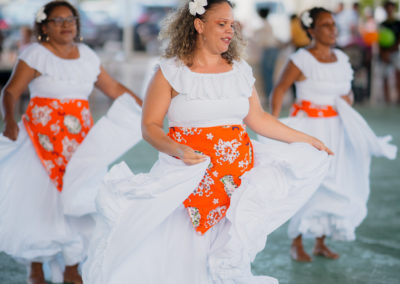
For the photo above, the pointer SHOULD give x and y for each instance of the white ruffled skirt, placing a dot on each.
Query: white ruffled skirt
(38, 224)
(144, 234)
(340, 203)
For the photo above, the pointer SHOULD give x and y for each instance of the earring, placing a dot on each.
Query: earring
(39, 37)
(81, 38)
(47, 38)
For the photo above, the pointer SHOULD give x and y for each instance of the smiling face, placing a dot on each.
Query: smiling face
(61, 26)
(216, 29)
(324, 30)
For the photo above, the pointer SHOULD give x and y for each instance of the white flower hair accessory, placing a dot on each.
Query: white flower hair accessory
(306, 19)
(40, 16)
(197, 7)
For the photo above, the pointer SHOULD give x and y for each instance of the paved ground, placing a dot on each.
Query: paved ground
(374, 258)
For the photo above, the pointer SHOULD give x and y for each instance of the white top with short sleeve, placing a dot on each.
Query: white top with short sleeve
(324, 81)
(61, 78)
(208, 99)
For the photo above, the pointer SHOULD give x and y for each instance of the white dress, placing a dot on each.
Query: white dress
(38, 223)
(339, 205)
(143, 232)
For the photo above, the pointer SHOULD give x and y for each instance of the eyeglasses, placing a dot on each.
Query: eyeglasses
(61, 21)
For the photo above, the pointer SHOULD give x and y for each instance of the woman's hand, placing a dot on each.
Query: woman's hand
(11, 130)
(320, 145)
(348, 98)
(189, 156)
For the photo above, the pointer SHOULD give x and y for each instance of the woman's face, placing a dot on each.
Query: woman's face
(61, 26)
(216, 30)
(324, 30)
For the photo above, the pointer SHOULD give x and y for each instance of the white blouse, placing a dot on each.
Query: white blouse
(324, 81)
(205, 99)
(62, 78)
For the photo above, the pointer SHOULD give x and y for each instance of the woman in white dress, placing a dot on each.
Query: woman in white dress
(34, 153)
(204, 210)
(323, 75)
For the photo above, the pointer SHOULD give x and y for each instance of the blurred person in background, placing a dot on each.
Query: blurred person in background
(269, 45)
(60, 73)
(389, 39)
(347, 24)
(369, 35)
(323, 76)
(298, 39)
(26, 38)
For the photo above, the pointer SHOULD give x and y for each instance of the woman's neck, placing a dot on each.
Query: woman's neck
(63, 50)
(323, 52)
(202, 58)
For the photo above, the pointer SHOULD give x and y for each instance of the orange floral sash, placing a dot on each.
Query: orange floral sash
(231, 154)
(312, 110)
(56, 128)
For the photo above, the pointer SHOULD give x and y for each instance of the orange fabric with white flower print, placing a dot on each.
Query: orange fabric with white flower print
(231, 154)
(56, 128)
(312, 110)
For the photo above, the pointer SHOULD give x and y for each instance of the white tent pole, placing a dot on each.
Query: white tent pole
(127, 35)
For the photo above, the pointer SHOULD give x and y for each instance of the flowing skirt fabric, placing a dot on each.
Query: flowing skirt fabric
(144, 235)
(40, 224)
(340, 203)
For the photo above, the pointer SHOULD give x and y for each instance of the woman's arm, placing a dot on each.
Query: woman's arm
(266, 125)
(349, 98)
(112, 88)
(21, 76)
(155, 107)
(288, 77)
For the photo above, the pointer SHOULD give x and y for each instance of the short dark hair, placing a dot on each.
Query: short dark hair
(314, 14)
(388, 3)
(48, 8)
(263, 12)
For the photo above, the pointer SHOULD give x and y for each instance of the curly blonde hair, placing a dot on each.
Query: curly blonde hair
(181, 36)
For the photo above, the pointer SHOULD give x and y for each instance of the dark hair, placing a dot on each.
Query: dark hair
(263, 12)
(179, 31)
(47, 9)
(210, 4)
(314, 14)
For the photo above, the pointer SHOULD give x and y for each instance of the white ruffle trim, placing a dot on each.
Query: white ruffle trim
(334, 73)
(84, 69)
(237, 82)
(336, 228)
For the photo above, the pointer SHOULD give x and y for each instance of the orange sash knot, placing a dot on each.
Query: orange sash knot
(312, 110)
(56, 128)
(231, 154)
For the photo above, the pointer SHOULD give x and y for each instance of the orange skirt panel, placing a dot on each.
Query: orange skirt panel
(231, 154)
(56, 128)
(312, 110)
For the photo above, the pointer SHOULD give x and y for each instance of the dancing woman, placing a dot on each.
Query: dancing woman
(322, 75)
(204, 210)
(34, 153)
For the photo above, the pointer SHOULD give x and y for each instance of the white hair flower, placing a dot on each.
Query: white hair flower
(306, 19)
(40, 16)
(197, 7)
